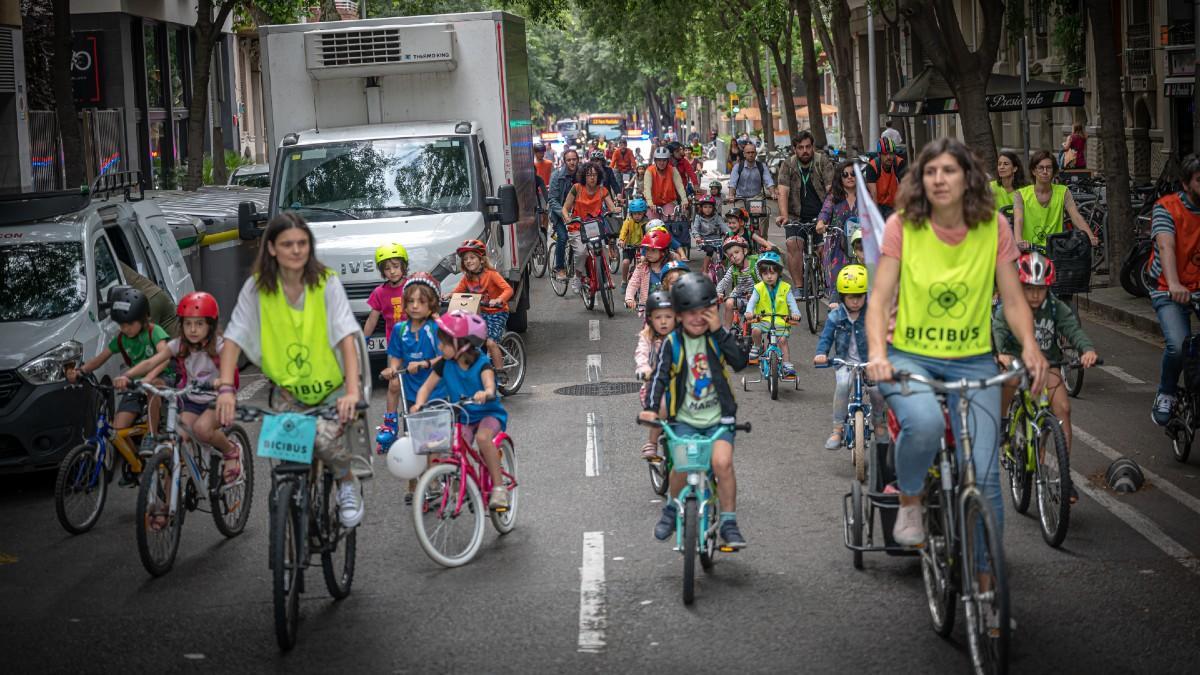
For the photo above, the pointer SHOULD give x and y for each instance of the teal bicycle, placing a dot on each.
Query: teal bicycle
(770, 361)
(696, 506)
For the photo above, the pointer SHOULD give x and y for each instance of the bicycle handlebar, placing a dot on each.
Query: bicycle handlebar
(842, 363)
(665, 425)
(251, 413)
(953, 387)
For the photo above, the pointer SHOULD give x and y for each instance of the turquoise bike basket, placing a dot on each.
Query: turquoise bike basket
(288, 437)
(690, 453)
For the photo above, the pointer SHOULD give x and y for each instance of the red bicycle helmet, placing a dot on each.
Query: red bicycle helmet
(1035, 269)
(462, 326)
(658, 239)
(734, 240)
(472, 246)
(707, 199)
(198, 304)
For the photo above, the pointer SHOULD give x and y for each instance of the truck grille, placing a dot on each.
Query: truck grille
(359, 47)
(10, 384)
(359, 291)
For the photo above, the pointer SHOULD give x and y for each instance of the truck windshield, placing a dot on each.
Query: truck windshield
(41, 281)
(366, 179)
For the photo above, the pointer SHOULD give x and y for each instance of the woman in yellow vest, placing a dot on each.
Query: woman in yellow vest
(1010, 177)
(1038, 209)
(944, 252)
(293, 319)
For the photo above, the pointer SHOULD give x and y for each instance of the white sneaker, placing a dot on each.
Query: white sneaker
(574, 284)
(910, 526)
(350, 503)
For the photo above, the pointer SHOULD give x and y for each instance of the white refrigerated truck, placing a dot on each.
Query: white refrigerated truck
(414, 130)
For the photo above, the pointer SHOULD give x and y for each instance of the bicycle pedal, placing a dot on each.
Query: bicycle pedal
(654, 460)
(501, 509)
(727, 549)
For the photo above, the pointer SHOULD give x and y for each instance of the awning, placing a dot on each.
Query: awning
(752, 114)
(928, 94)
(1179, 87)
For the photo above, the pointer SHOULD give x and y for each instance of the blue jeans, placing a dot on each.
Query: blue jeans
(560, 246)
(1176, 323)
(922, 424)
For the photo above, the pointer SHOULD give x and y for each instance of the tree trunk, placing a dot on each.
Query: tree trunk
(971, 93)
(220, 174)
(812, 79)
(64, 97)
(754, 72)
(329, 11)
(208, 30)
(839, 47)
(1112, 133)
(781, 52)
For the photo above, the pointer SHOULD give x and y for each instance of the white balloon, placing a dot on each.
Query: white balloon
(402, 460)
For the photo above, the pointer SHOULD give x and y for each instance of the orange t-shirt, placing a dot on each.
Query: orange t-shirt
(491, 285)
(544, 168)
(588, 206)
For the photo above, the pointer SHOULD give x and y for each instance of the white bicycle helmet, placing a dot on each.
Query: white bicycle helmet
(655, 223)
(661, 152)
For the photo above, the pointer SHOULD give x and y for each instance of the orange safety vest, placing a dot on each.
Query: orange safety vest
(544, 168)
(662, 186)
(1187, 244)
(887, 185)
(587, 206)
(622, 160)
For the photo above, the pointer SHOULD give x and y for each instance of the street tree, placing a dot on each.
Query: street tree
(839, 47)
(812, 78)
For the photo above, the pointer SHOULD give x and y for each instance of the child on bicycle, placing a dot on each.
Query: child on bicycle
(672, 272)
(740, 276)
(660, 321)
(772, 295)
(691, 374)
(714, 191)
(845, 336)
(632, 231)
(387, 300)
(1052, 318)
(196, 354)
(647, 275)
(468, 373)
(634, 186)
(137, 340)
(736, 221)
(707, 225)
(481, 278)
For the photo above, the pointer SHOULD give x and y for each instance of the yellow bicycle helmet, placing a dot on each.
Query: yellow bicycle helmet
(389, 251)
(852, 280)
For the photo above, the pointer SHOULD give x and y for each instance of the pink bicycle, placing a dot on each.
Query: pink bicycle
(452, 495)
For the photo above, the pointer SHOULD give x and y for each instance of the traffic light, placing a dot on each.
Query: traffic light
(734, 103)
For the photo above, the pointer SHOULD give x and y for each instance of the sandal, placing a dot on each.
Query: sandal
(650, 452)
(231, 473)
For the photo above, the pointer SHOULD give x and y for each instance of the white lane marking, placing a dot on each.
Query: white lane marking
(591, 451)
(593, 329)
(593, 616)
(249, 390)
(593, 367)
(1141, 524)
(1119, 373)
(1160, 483)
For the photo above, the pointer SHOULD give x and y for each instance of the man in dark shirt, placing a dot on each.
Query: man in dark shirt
(804, 180)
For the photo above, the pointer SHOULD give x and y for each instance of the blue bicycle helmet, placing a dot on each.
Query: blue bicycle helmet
(769, 258)
(676, 265)
(638, 206)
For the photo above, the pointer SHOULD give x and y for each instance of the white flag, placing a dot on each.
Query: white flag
(870, 219)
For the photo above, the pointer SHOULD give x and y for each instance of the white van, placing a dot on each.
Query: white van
(60, 255)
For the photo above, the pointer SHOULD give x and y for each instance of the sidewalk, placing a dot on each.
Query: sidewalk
(1114, 304)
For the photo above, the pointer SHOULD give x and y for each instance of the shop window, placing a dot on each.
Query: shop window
(154, 89)
(174, 61)
(159, 146)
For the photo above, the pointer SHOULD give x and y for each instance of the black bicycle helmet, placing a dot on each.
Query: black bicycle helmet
(128, 304)
(539, 147)
(658, 300)
(693, 291)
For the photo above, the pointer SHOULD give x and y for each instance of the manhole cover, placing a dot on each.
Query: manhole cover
(599, 389)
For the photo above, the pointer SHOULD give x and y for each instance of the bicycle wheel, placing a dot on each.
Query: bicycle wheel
(541, 255)
(985, 588)
(450, 539)
(613, 257)
(936, 564)
(505, 521)
(1072, 376)
(812, 297)
(157, 529)
(286, 565)
(659, 470)
(606, 292)
(80, 489)
(337, 566)
(1053, 481)
(708, 552)
(512, 375)
(585, 284)
(857, 522)
(773, 376)
(691, 523)
(560, 286)
(1017, 459)
(231, 503)
(860, 446)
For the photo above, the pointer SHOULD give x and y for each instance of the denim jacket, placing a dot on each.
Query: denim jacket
(838, 331)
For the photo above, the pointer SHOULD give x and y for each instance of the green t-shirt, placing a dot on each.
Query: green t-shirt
(141, 347)
(700, 407)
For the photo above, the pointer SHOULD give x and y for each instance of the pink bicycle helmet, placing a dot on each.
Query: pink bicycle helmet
(462, 326)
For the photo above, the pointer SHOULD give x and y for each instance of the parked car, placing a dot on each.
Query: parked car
(59, 259)
(251, 175)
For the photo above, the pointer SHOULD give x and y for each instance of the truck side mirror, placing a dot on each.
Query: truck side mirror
(250, 221)
(510, 210)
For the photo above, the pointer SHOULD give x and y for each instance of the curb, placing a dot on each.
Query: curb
(1148, 324)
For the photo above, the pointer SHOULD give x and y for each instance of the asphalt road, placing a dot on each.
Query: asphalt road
(1121, 595)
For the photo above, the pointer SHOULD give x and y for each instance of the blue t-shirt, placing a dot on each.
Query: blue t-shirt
(410, 345)
(464, 383)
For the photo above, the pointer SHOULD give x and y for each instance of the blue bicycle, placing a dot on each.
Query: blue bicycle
(856, 432)
(770, 362)
(697, 506)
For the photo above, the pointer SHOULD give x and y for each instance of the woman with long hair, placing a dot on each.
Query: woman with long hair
(1038, 209)
(1010, 177)
(841, 211)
